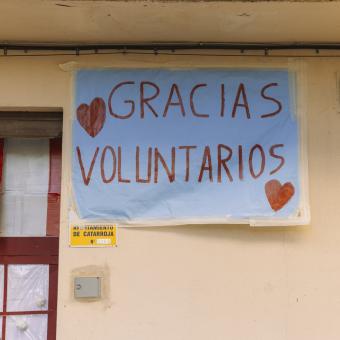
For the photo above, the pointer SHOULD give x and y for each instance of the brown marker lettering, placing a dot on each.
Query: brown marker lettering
(145, 100)
(138, 179)
(206, 165)
(102, 164)
(131, 102)
(158, 157)
(86, 178)
(222, 162)
(241, 92)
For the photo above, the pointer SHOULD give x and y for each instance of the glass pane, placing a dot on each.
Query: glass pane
(27, 287)
(23, 203)
(26, 165)
(26, 327)
(23, 214)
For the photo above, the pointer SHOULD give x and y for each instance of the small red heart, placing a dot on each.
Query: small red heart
(92, 118)
(278, 195)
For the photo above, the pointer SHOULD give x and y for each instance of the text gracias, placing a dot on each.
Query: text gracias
(156, 160)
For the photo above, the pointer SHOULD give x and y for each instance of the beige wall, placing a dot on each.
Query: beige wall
(204, 282)
(107, 21)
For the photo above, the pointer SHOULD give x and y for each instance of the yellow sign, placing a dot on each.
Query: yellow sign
(93, 235)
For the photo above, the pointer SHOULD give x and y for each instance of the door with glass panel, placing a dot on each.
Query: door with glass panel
(28, 288)
(30, 171)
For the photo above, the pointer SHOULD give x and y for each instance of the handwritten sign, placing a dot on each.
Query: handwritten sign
(185, 146)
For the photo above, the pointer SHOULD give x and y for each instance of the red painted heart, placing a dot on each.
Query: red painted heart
(92, 118)
(278, 195)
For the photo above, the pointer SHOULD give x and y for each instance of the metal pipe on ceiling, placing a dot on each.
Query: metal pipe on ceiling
(6, 47)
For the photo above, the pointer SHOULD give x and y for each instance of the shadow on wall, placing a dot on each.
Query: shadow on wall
(241, 233)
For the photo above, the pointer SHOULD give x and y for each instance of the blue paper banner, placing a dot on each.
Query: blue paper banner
(185, 146)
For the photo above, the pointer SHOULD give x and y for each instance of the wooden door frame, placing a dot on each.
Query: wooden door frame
(35, 250)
